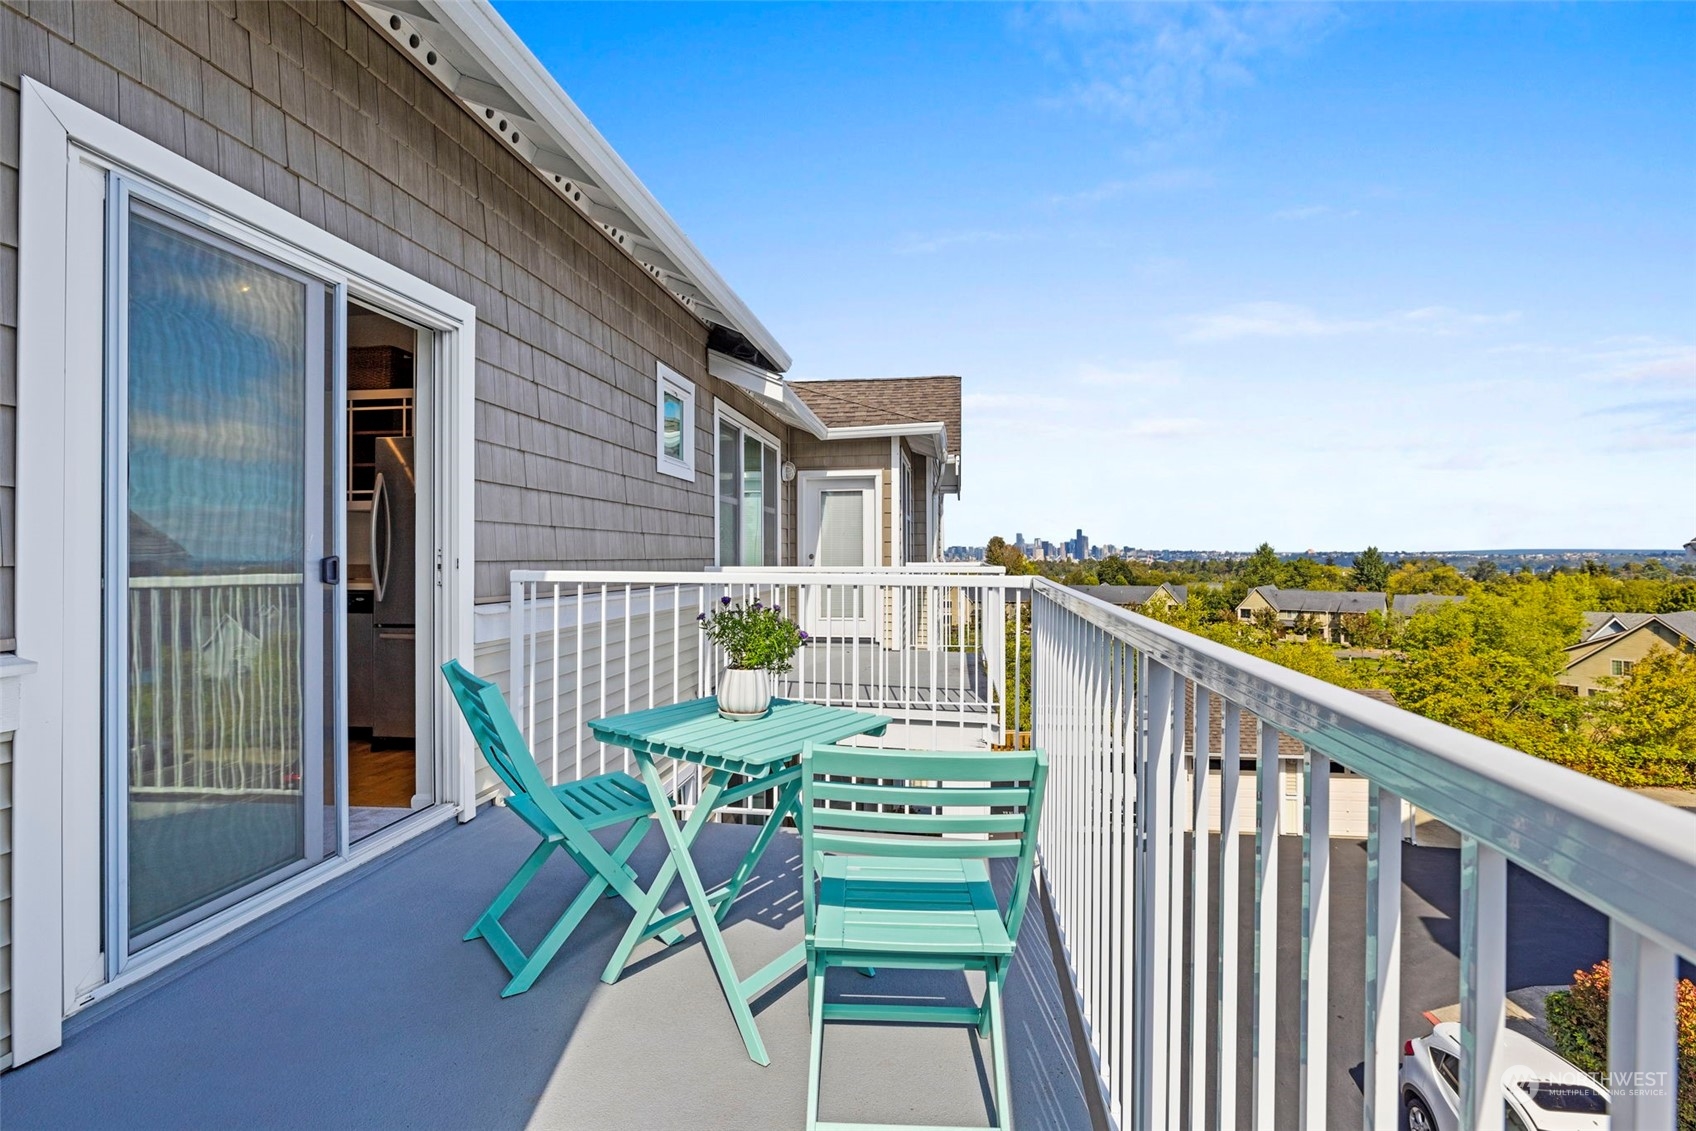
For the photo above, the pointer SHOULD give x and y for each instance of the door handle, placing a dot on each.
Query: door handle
(380, 541)
(330, 570)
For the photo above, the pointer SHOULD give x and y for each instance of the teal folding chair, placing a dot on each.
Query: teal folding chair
(564, 816)
(885, 885)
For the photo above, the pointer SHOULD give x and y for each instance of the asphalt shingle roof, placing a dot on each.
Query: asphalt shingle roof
(1320, 600)
(886, 400)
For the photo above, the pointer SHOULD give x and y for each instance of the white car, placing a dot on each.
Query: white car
(1541, 1091)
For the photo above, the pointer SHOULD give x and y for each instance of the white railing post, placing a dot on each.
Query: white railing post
(1483, 984)
(1315, 941)
(515, 656)
(1201, 955)
(1268, 790)
(1154, 1009)
(1642, 1030)
(1230, 856)
(1382, 1111)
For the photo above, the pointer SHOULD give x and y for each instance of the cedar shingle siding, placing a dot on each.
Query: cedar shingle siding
(306, 106)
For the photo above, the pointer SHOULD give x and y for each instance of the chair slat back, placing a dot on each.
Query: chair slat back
(917, 799)
(504, 748)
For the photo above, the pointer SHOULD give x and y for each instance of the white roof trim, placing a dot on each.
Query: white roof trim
(872, 431)
(769, 388)
(471, 51)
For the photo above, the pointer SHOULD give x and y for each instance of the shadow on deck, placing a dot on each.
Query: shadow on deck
(363, 1009)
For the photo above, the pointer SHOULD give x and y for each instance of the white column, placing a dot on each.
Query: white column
(1382, 1112)
(1642, 1030)
(1268, 788)
(1483, 984)
(1229, 774)
(1315, 941)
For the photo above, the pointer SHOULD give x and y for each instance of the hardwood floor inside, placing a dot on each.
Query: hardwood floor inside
(381, 778)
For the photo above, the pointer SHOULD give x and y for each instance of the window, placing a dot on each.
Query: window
(674, 424)
(749, 489)
(1448, 1068)
(1620, 667)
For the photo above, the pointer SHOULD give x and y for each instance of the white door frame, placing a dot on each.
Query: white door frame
(810, 488)
(65, 148)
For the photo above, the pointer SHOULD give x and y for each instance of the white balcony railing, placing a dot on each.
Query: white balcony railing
(214, 693)
(1150, 923)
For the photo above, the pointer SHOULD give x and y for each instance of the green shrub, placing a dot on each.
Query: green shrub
(1578, 1023)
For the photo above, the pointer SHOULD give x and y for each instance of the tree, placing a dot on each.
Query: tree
(1646, 721)
(998, 552)
(1261, 568)
(1485, 569)
(1371, 572)
(1113, 571)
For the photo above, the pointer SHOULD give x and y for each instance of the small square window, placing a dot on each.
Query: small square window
(674, 412)
(1621, 667)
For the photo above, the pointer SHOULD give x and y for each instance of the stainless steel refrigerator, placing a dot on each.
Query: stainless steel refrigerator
(394, 574)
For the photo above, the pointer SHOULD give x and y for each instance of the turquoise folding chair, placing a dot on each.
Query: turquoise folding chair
(883, 886)
(565, 817)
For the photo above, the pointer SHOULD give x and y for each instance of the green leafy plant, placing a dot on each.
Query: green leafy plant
(754, 635)
(1578, 1023)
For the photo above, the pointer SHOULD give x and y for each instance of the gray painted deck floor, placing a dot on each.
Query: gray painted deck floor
(365, 1010)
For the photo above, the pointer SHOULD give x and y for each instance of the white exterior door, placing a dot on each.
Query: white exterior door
(839, 532)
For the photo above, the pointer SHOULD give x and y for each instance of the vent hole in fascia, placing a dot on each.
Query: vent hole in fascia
(394, 23)
(515, 137)
(413, 41)
(503, 125)
(489, 114)
(430, 58)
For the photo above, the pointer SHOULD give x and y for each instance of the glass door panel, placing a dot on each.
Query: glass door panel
(221, 383)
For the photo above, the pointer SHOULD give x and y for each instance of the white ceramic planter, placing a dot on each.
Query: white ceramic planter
(744, 694)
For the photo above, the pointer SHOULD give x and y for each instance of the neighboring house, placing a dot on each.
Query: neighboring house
(1614, 643)
(1326, 607)
(1409, 603)
(1164, 595)
(870, 487)
(286, 292)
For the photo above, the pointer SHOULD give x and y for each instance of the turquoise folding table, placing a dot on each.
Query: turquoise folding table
(766, 752)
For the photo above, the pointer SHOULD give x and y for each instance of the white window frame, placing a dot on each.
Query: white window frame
(721, 413)
(669, 380)
(65, 151)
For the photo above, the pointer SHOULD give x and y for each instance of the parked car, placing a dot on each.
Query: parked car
(1542, 1092)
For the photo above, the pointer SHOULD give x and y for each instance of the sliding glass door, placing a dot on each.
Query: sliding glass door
(221, 670)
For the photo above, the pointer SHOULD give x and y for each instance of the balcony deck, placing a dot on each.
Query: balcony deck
(364, 1009)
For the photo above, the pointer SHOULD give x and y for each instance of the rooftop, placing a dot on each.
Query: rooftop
(1320, 600)
(886, 401)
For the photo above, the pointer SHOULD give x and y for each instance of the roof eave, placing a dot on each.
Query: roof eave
(770, 389)
(524, 86)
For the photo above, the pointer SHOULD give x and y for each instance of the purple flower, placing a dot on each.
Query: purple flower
(724, 600)
(805, 638)
(756, 602)
(702, 616)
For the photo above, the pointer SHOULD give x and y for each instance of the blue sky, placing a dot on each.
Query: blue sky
(1421, 276)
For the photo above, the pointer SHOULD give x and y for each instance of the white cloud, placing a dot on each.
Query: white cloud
(1147, 374)
(1289, 320)
(1157, 181)
(1313, 212)
(1163, 66)
(939, 241)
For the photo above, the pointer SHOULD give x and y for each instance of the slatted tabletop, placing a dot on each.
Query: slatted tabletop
(694, 732)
